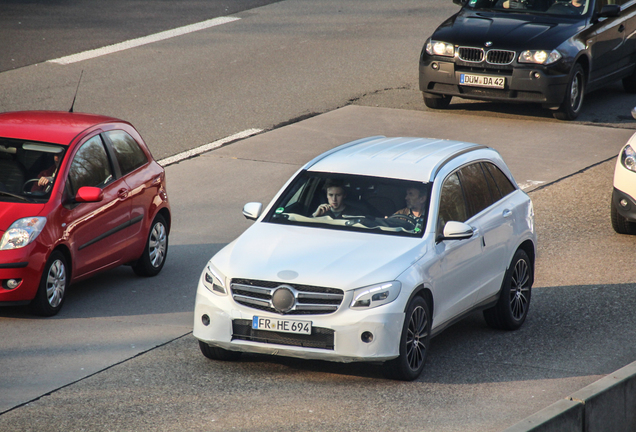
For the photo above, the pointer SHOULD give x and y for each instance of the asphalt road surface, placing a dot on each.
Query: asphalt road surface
(120, 356)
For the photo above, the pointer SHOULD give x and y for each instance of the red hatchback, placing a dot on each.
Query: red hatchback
(79, 193)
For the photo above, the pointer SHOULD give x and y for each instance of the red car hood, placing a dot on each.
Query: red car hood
(11, 212)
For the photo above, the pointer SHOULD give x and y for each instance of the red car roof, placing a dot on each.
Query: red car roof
(58, 127)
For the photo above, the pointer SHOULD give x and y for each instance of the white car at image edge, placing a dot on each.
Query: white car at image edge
(623, 206)
(368, 251)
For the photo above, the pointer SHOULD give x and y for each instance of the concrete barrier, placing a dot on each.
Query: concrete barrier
(608, 405)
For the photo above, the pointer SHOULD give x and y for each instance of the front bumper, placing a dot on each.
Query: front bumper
(628, 210)
(24, 264)
(522, 83)
(335, 337)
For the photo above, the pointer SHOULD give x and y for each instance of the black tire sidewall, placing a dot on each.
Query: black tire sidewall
(40, 304)
(143, 266)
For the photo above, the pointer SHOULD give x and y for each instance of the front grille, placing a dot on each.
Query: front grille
(471, 55)
(308, 299)
(500, 57)
(493, 56)
(320, 337)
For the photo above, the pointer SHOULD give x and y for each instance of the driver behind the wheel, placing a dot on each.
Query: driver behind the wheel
(45, 177)
(416, 197)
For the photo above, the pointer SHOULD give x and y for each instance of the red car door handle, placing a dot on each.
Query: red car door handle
(122, 193)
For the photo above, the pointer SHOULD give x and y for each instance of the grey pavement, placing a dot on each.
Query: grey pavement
(581, 310)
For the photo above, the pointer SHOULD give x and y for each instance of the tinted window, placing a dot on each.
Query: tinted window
(476, 188)
(452, 206)
(90, 166)
(128, 153)
(503, 183)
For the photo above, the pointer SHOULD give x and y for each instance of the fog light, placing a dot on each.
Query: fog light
(12, 283)
(434, 66)
(536, 75)
(205, 320)
(367, 337)
(623, 202)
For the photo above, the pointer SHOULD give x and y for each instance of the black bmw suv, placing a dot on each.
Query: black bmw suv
(546, 51)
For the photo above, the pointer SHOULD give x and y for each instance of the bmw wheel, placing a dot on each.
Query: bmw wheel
(571, 106)
(152, 260)
(514, 299)
(50, 295)
(439, 102)
(414, 343)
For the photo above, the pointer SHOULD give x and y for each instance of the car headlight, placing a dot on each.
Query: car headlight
(375, 295)
(22, 232)
(439, 48)
(214, 281)
(628, 158)
(539, 57)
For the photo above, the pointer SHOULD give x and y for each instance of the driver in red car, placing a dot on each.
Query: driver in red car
(45, 177)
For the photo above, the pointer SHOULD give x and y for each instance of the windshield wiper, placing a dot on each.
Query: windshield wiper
(20, 197)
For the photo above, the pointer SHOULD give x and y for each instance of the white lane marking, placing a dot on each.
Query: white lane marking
(207, 147)
(529, 184)
(74, 58)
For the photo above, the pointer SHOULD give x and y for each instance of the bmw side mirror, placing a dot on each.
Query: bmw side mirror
(457, 231)
(252, 210)
(87, 194)
(610, 10)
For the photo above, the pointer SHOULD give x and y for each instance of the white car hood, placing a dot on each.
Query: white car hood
(317, 256)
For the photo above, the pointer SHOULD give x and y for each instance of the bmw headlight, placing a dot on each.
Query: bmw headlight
(375, 295)
(214, 281)
(628, 158)
(539, 57)
(22, 232)
(439, 48)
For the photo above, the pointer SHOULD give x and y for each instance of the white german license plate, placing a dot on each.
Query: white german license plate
(482, 80)
(281, 325)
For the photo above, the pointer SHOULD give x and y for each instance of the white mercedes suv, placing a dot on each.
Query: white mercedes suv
(368, 251)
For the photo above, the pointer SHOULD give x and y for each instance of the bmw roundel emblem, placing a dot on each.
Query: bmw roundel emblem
(488, 44)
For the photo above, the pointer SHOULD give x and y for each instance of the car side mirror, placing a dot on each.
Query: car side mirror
(460, 2)
(610, 10)
(457, 231)
(87, 194)
(634, 113)
(252, 210)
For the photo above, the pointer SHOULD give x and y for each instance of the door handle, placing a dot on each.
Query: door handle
(507, 213)
(122, 193)
(621, 28)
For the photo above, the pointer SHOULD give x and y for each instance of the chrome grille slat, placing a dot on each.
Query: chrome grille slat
(308, 299)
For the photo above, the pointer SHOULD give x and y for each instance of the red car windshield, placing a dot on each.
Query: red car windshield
(28, 170)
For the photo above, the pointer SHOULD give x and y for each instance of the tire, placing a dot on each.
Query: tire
(215, 353)
(619, 223)
(154, 256)
(437, 102)
(414, 343)
(574, 93)
(514, 300)
(51, 293)
(629, 83)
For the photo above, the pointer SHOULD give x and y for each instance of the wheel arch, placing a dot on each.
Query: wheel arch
(165, 213)
(64, 250)
(426, 294)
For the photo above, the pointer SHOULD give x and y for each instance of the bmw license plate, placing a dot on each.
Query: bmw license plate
(281, 325)
(482, 81)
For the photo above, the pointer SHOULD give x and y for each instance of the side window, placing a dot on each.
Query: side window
(476, 187)
(452, 205)
(503, 183)
(90, 166)
(127, 151)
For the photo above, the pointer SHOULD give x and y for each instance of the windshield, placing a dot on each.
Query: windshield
(556, 7)
(28, 170)
(353, 203)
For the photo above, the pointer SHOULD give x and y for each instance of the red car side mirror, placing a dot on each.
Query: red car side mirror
(89, 194)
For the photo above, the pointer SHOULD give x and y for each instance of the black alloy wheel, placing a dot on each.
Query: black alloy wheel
(414, 343)
(514, 299)
(573, 102)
